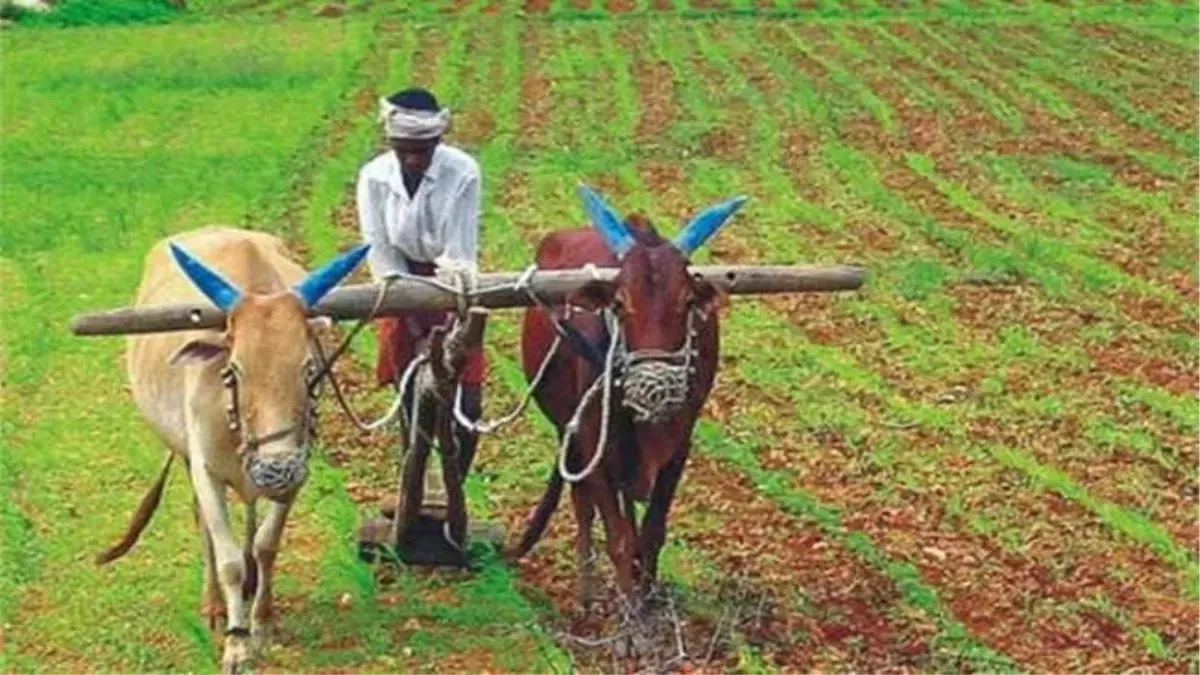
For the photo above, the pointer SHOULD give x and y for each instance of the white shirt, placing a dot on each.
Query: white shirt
(439, 224)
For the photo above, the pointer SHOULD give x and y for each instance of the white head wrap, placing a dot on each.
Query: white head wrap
(415, 124)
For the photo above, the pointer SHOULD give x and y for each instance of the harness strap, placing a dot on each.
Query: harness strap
(252, 444)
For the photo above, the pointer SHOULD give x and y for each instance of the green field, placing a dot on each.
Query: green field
(985, 460)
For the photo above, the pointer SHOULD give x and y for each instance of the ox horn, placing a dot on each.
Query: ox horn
(214, 286)
(606, 221)
(318, 283)
(706, 223)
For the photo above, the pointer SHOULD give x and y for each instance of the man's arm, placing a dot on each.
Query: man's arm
(383, 259)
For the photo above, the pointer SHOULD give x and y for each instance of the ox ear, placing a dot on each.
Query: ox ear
(321, 328)
(709, 298)
(705, 224)
(197, 351)
(317, 284)
(321, 324)
(606, 221)
(215, 287)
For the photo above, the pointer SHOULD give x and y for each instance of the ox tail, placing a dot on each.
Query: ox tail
(141, 517)
(541, 515)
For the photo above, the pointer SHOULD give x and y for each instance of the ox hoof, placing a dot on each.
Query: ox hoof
(239, 656)
(261, 635)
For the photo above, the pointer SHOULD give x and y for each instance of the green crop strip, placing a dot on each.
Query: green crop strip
(933, 99)
(1048, 259)
(954, 648)
(829, 400)
(878, 108)
(1088, 235)
(994, 104)
(1044, 272)
(1048, 62)
(1033, 88)
(1130, 524)
(857, 171)
(1121, 71)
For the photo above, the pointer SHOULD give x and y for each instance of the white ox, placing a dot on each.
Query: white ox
(235, 405)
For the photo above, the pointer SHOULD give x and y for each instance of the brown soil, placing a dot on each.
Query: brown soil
(992, 590)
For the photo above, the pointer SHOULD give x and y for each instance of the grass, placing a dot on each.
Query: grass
(1070, 455)
(87, 216)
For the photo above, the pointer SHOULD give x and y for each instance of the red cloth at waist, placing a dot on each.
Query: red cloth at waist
(396, 345)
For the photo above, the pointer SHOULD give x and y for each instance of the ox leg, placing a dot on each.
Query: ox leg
(654, 524)
(585, 552)
(618, 533)
(212, 606)
(266, 547)
(250, 584)
(214, 603)
(230, 562)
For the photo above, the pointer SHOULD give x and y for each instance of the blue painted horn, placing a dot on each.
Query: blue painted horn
(214, 286)
(318, 283)
(705, 224)
(606, 221)
(225, 295)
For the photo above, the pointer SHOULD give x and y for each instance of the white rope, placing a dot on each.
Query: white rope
(605, 380)
(487, 427)
(450, 539)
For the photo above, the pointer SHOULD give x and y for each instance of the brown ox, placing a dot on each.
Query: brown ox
(662, 387)
(235, 405)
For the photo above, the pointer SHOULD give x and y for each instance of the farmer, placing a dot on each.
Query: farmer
(418, 207)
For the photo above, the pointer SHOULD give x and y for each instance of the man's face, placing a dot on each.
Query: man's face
(414, 155)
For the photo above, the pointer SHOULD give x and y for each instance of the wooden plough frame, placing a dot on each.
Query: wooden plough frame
(418, 529)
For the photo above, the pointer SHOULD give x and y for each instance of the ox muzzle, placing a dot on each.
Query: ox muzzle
(276, 474)
(655, 383)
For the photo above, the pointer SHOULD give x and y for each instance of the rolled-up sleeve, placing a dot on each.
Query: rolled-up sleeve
(462, 224)
(383, 259)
